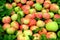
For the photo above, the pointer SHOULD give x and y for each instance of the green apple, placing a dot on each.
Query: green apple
(27, 32)
(51, 14)
(20, 13)
(52, 26)
(40, 23)
(10, 30)
(38, 7)
(14, 17)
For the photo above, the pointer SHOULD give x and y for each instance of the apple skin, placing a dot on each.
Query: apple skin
(38, 7)
(51, 14)
(40, 23)
(27, 32)
(14, 17)
(6, 26)
(54, 7)
(33, 28)
(15, 24)
(51, 35)
(24, 27)
(36, 36)
(40, 1)
(25, 20)
(10, 30)
(6, 19)
(43, 31)
(53, 24)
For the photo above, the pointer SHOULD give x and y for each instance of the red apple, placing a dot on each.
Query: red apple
(15, 24)
(6, 25)
(43, 31)
(46, 16)
(40, 1)
(32, 22)
(6, 19)
(25, 27)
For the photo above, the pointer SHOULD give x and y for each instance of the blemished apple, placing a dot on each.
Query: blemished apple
(54, 7)
(25, 20)
(24, 27)
(40, 23)
(6, 25)
(27, 32)
(52, 26)
(38, 6)
(14, 17)
(51, 14)
(10, 30)
(6, 19)
(15, 24)
(51, 35)
(40, 1)
(36, 36)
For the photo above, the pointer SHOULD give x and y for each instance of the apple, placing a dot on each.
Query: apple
(48, 20)
(59, 11)
(6, 19)
(39, 15)
(43, 31)
(56, 16)
(14, 17)
(36, 36)
(40, 1)
(33, 28)
(38, 7)
(6, 25)
(25, 20)
(20, 13)
(15, 24)
(40, 23)
(29, 3)
(23, 1)
(46, 16)
(32, 11)
(51, 35)
(54, 7)
(46, 4)
(24, 27)
(17, 1)
(32, 22)
(51, 14)
(8, 6)
(14, 4)
(52, 26)
(17, 9)
(27, 32)
(10, 30)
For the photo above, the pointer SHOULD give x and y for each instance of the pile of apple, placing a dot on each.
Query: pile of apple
(35, 14)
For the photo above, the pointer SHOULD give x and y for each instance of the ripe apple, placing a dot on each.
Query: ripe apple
(51, 35)
(6, 19)
(24, 27)
(38, 7)
(52, 26)
(25, 20)
(51, 14)
(33, 28)
(6, 25)
(14, 17)
(27, 32)
(54, 7)
(46, 16)
(15, 24)
(40, 1)
(40, 23)
(10, 30)
(36, 36)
